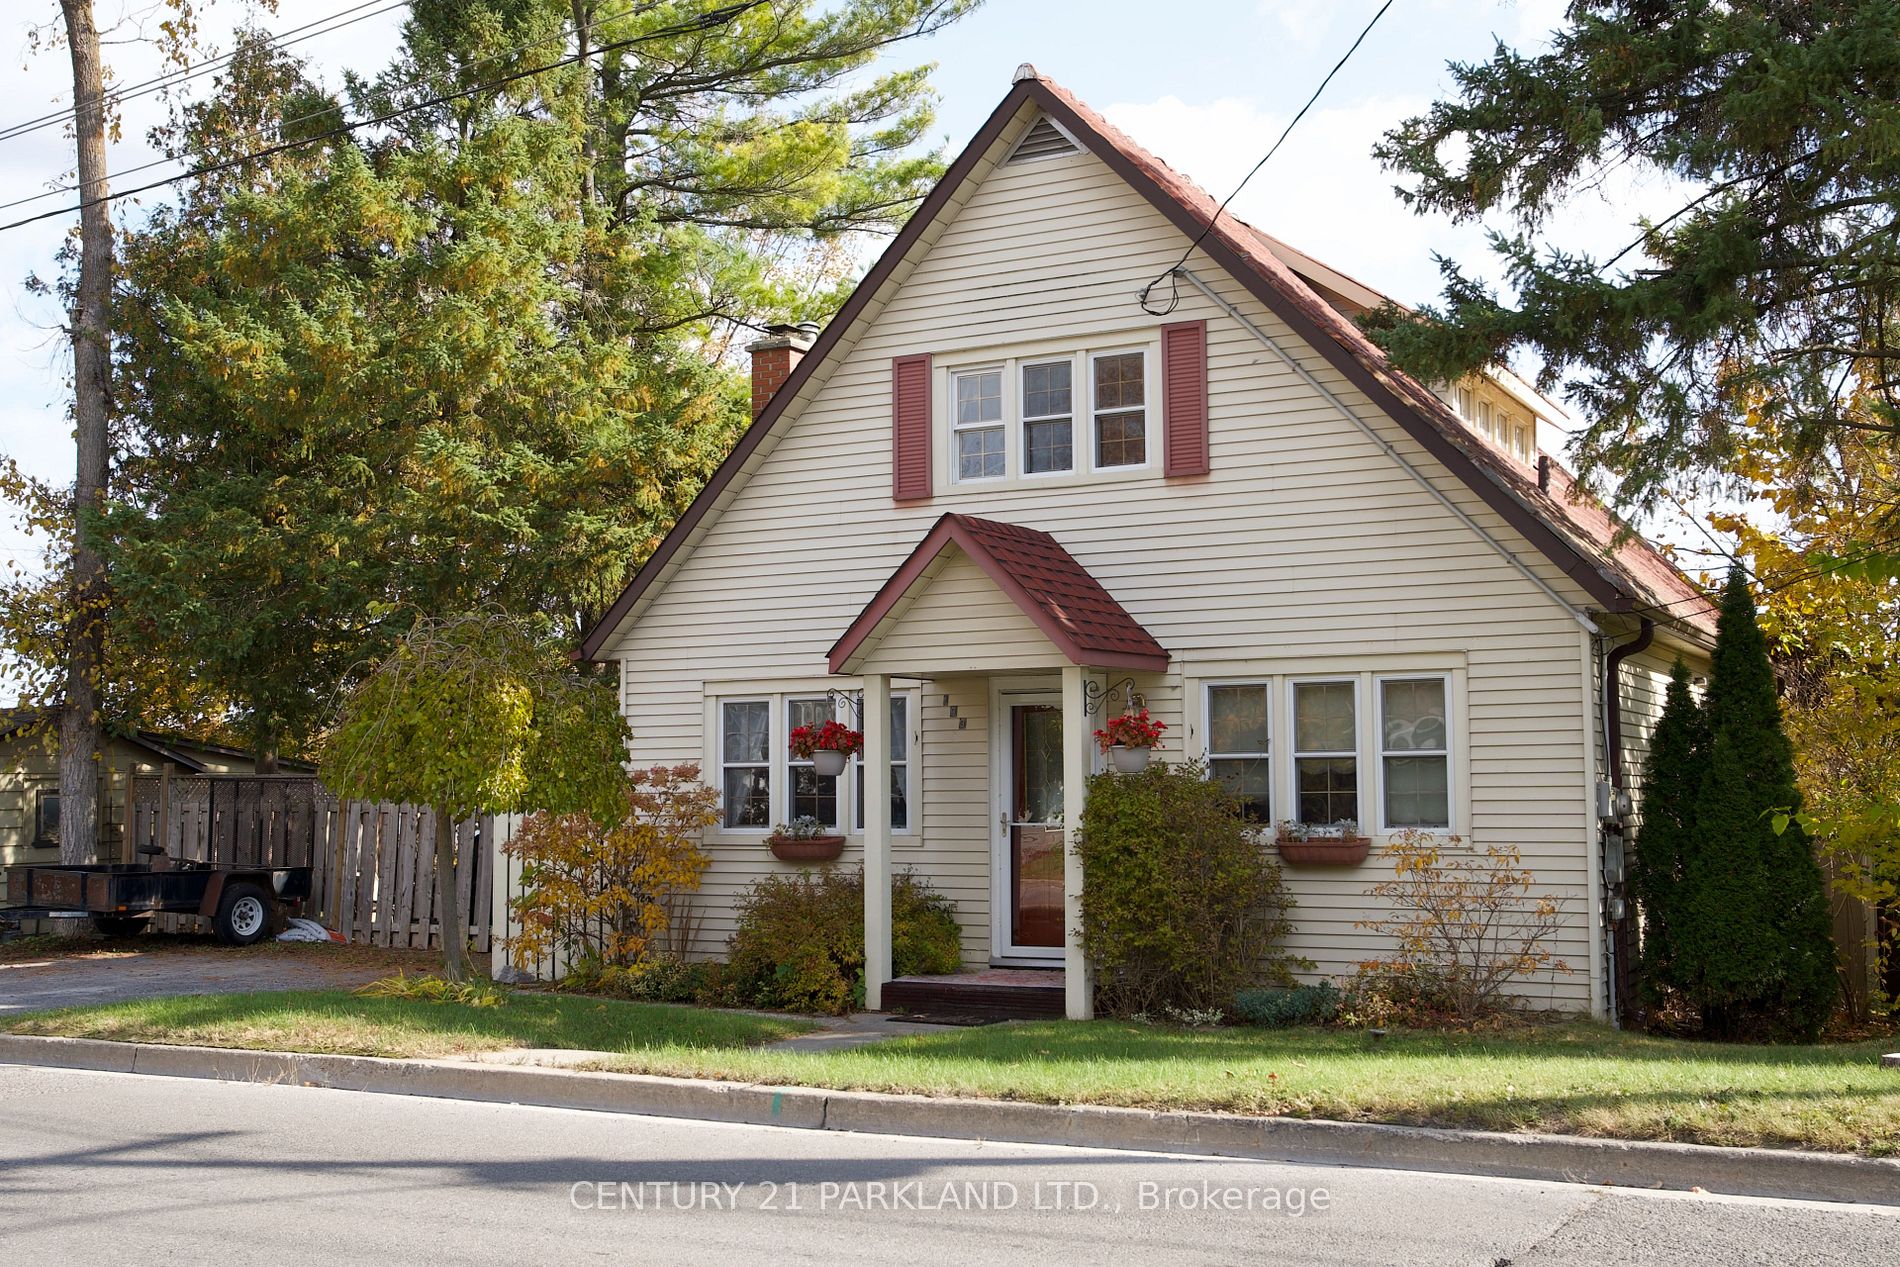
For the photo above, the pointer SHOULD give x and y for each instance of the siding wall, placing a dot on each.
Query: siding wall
(1306, 548)
(26, 766)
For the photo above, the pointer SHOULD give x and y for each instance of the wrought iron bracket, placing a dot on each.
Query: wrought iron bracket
(1096, 696)
(853, 700)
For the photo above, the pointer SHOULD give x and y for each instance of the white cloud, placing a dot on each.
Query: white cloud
(1302, 21)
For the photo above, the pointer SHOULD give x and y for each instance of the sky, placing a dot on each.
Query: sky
(1204, 84)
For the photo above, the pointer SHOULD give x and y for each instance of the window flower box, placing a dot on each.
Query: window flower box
(1322, 845)
(804, 840)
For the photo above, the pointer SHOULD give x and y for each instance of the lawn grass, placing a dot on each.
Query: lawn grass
(345, 1023)
(1576, 1078)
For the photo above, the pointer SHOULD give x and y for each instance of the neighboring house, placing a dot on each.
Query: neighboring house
(29, 781)
(997, 495)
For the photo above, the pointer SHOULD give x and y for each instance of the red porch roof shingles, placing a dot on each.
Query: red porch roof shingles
(1071, 608)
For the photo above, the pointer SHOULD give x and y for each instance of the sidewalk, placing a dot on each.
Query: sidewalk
(1738, 1171)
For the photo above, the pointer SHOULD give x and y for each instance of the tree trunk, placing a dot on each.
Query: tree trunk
(79, 722)
(454, 933)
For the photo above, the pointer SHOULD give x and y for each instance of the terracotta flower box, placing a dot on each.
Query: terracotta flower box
(1324, 851)
(806, 848)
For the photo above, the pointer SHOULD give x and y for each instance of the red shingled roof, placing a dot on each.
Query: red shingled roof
(1081, 618)
(1629, 561)
(1618, 570)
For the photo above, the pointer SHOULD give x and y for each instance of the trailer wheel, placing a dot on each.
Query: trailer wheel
(121, 925)
(244, 915)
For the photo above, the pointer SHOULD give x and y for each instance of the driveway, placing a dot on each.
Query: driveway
(151, 967)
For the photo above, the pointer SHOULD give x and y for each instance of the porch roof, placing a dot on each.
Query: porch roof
(1031, 568)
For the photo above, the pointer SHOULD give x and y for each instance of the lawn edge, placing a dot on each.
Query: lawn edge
(1761, 1172)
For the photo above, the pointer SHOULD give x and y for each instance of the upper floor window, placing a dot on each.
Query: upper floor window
(1121, 411)
(978, 425)
(1048, 417)
(1049, 413)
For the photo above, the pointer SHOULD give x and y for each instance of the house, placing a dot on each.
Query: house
(999, 497)
(29, 781)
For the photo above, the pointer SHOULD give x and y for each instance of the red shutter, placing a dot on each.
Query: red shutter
(1184, 398)
(910, 428)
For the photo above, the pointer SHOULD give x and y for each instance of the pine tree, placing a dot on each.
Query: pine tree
(1673, 774)
(1753, 948)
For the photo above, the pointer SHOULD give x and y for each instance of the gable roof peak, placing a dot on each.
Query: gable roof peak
(1025, 71)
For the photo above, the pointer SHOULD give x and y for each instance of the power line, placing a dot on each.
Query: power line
(1174, 296)
(316, 114)
(705, 21)
(184, 74)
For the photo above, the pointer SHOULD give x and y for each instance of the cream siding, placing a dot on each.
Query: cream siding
(1305, 545)
(957, 621)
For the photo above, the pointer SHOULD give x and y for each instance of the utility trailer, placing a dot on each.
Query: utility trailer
(243, 903)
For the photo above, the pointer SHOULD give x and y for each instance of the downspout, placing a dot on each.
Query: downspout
(1619, 782)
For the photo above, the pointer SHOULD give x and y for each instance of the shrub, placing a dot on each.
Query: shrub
(1279, 1009)
(1466, 927)
(656, 979)
(603, 893)
(434, 989)
(1673, 773)
(1181, 906)
(799, 944)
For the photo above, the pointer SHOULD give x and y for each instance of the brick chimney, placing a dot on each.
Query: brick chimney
(774, 357)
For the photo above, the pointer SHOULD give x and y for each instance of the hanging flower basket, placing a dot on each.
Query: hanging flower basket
(1129, 740)
(827, 747)
(1335, 845)
(804, 840)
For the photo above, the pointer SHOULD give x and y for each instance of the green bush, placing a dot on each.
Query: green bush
(660, 979)
(1181, 906)
(1281, 1008)
(799, 945)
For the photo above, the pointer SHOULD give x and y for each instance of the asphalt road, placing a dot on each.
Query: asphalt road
(98, 1167)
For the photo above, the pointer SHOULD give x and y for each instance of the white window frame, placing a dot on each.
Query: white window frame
(1294, 752)
(1147, 410)
(772, 730)
(1001, 425)
(1024, 417)
(1450, 751)
(791, 765)
(777, 696)
(1267, 688)
(913, 732)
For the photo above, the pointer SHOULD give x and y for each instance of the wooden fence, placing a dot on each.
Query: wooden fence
(373, 875)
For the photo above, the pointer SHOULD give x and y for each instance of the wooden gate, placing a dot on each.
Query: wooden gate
(372, 864)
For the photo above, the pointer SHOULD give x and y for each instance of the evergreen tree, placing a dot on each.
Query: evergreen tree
(1673, 774)
(1769, 289)
(1753, 948)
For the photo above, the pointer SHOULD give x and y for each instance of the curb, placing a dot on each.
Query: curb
(1556, 1158)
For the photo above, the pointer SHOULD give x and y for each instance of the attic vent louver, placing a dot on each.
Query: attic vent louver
(1043, 140)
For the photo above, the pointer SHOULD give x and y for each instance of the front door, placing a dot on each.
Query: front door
(1034, 823)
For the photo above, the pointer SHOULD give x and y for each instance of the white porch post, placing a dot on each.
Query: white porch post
(877, 838)
(1078, 989)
